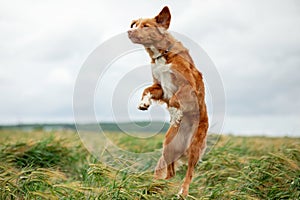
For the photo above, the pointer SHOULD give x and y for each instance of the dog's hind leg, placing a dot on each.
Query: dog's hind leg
(170, 170)
(195, 150)
(170, 152)
(176, 144)
(160, 170)
(165, 166)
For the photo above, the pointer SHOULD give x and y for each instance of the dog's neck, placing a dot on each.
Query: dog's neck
(162, 48)
(159, 53)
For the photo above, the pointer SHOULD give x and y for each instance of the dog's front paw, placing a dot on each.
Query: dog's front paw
(183, 192)
(145, 102)
(143, 106)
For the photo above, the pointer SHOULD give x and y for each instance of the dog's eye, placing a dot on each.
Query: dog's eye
(133, 24)
(145, 25)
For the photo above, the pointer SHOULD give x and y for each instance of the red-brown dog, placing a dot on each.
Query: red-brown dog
(179, 84)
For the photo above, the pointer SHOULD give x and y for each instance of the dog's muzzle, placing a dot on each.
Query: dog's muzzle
(132, 36)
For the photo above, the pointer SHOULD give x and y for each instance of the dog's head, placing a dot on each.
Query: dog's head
(151, 30)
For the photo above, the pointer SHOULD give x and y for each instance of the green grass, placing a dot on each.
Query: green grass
(55, 165)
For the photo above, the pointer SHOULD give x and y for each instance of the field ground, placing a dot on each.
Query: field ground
(55, 165)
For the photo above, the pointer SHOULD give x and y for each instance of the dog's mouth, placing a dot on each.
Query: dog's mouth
(134, 38)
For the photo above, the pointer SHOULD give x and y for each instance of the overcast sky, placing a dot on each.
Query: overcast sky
(254, 44)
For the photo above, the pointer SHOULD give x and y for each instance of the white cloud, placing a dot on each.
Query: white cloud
(60, 76)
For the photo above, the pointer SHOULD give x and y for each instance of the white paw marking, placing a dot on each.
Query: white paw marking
(145, 102)
(176, 115)
(181, 191)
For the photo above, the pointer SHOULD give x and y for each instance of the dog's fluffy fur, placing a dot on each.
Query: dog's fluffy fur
(179, 84)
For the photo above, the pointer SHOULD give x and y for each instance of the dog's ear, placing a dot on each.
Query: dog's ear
(164, 17)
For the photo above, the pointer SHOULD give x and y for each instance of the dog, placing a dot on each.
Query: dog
(178, 83)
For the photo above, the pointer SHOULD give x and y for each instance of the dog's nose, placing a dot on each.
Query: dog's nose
(130, 32)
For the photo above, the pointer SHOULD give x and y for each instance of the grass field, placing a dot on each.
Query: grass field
(55, 165)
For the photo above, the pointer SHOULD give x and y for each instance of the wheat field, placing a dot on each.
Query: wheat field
(56, 165)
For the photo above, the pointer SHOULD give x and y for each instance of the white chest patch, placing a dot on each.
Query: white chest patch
(162, 73)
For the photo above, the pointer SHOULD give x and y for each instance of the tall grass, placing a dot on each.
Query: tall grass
(40, 165)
